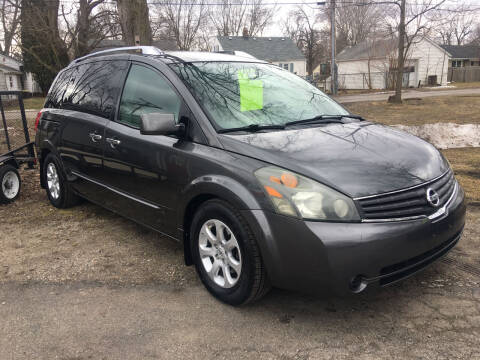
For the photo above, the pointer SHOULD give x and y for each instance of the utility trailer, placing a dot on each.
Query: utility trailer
(16, 149)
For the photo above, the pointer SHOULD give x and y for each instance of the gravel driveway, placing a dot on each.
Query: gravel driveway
(84, 283)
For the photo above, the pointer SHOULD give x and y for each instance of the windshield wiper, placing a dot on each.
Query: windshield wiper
(252, 128)
(324, 119)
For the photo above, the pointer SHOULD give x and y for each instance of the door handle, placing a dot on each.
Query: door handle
(95, 137)
(113, 142)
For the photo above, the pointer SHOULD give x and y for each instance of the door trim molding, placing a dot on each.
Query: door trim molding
(119, 192)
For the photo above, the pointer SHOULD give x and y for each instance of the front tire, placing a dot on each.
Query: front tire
(226, 254)
(58, 189)
(9, 184)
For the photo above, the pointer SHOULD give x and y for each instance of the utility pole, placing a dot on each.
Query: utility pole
(333, 67)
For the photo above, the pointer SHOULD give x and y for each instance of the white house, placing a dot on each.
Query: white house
(281, 51)
(371, 64)
(13, 78)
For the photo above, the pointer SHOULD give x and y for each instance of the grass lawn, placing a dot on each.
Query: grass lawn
(466, 166)
(34, 102)
(457, 109)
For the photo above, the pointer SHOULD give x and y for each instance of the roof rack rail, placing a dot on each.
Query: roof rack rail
(144, 50)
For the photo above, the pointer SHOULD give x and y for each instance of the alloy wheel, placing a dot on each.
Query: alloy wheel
(53, 181)
(220, 253)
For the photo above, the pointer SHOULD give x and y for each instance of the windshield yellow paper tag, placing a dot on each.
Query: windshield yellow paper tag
(251, 92)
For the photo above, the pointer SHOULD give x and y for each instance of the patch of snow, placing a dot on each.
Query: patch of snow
(446, 135)
(440, 87)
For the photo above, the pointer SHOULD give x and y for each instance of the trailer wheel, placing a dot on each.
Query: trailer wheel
(10, 184)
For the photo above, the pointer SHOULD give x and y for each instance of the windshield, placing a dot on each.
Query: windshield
(238, 94)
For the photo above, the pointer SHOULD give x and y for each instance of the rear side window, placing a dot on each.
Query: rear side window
(92, 87)
(146, 91)
(57, 91)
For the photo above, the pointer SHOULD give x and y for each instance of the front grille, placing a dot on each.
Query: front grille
(408, 203)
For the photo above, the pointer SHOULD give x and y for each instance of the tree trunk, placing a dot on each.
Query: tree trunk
(43, 51)
(397, 98)
(83, 25)
(135, 22)
(310, 60)
(10, 10)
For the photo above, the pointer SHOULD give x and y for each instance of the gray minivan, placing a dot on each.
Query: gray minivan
(264, 179)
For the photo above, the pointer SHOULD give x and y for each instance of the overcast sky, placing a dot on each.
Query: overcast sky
(283, 7)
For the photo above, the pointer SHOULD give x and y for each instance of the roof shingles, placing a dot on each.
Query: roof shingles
(264, 48)
(367, 50)
(463, 51)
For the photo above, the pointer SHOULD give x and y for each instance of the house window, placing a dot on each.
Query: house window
(285, 66)
(280, 64)
(10, 78)
(291, 67)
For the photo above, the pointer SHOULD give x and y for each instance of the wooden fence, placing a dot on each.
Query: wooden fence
(464, 74)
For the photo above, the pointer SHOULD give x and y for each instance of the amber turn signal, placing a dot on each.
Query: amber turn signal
(289, 180)
(272, 192)
(275, 179)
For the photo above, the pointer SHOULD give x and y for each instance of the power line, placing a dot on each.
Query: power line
(318, 3)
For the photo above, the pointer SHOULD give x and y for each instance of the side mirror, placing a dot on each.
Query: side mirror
(160, 124)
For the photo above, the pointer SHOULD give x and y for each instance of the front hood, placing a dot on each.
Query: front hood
(358, 158)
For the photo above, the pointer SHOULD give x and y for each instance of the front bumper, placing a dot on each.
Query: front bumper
(346, 257)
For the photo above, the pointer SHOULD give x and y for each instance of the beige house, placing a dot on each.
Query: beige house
(372, 64)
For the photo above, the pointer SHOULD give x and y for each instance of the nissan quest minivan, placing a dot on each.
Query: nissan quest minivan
(264, 179)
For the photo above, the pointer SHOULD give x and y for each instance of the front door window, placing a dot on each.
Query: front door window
(146, 91)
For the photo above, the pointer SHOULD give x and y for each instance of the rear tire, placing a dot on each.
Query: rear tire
(226, 254)
(10, 184)
(59, 191)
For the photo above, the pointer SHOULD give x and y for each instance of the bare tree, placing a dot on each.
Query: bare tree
(230, 17)
(203, 41)
(10, 17)
(93, 21)
(135, 22)
(43, 50)
(454, 27)
(93, 26)
(181, 20)
(356, 21)
(411, 18)
(474, 38)
(306, 30)
(377, 47)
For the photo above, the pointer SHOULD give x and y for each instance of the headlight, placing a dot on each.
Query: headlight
(296, 195)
